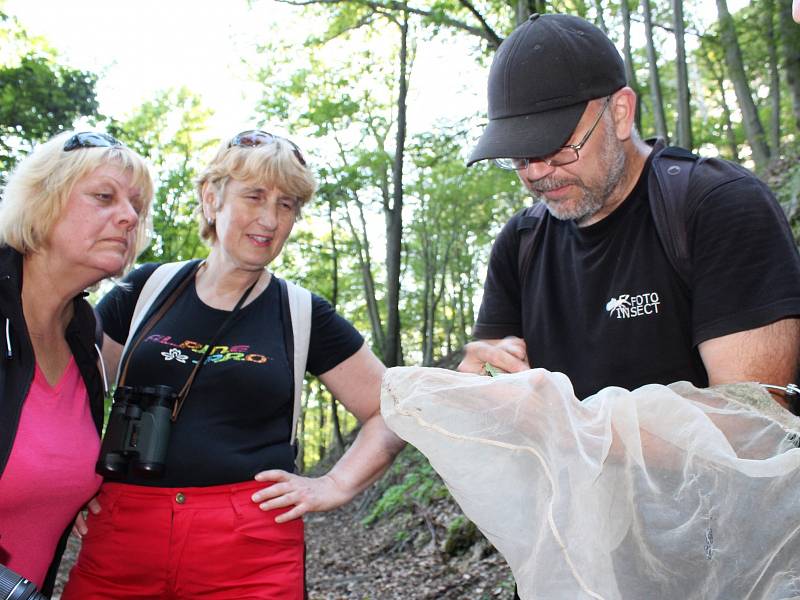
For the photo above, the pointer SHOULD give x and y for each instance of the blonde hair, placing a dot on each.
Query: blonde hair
(272, 165)
(38, 189)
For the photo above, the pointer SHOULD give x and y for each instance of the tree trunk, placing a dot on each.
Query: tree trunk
(774, 78)
(337, 429)
(790, 48)
(334, 256)
(337, 426)
(433, 298)
(753, 128)
(717, 72)
(660, 121)
(523, 11)
(365, 264)
(361, 241)
(630, 73)
(428, 281)
(392, 352)
(322, 443)
(464, 318)
(600, 21)
(369, 281)
(684, 133)
(730, 133)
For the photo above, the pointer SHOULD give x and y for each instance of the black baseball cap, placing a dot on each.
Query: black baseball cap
(540, 82)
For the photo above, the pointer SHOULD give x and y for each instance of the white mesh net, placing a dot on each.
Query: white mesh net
(664, 492)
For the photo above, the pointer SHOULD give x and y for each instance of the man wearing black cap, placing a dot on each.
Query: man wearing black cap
(598, 298)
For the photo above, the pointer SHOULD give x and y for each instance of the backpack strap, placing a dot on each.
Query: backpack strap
(154, 285)
(152, 291)
(530, 224)
(296, 301)
(668, 194)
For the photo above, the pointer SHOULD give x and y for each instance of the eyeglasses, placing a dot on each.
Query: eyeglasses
(256, 137)
(565, 155)
(91, 139)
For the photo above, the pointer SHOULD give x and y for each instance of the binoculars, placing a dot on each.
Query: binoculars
(138, 432)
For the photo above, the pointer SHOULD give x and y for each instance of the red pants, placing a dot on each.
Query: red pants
(184, 543)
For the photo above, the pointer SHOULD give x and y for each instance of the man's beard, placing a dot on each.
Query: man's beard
(611, 169)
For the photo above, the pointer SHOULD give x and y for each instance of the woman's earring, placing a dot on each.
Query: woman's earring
(210, 222)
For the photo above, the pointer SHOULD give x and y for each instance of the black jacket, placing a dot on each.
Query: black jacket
(17, 364)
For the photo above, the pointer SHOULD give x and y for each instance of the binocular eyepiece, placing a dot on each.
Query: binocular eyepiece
(138, 431)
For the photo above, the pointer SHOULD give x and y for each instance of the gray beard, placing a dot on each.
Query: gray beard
(593, 198)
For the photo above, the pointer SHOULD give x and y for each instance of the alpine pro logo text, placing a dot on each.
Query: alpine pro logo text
(628, 306)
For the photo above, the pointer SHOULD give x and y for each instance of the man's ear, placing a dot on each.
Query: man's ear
(623, 110)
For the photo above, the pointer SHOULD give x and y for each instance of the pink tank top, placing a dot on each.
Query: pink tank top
(50, 472)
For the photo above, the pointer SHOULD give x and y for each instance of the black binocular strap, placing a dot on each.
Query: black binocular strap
(188, 385)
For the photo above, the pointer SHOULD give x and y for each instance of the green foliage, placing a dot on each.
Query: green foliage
(461, 536)
(316, 434)
(39, 96)
(168, 130)
(401, 536)
(418, 484)
(345, 100)
(456, 214)
(786, 185)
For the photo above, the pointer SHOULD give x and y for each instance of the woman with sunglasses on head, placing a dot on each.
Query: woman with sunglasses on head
(71, 214)
(222, 519)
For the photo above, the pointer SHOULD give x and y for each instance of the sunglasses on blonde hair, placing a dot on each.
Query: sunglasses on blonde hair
(256, 137)
(91, 139)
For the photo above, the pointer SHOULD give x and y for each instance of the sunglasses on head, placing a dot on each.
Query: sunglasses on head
(255, 137)
(91, 139)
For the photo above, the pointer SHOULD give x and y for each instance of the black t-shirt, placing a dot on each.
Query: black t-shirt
(603, 305)
(237, 418)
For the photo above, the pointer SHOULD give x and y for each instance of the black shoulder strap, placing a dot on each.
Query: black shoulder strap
(668, 193)
(530, 224)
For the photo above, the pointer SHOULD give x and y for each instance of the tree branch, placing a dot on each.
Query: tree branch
(484, 32)
(492, 37)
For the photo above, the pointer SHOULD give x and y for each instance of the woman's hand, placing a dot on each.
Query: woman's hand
(356, 383)
(306, 494)
(80, 529)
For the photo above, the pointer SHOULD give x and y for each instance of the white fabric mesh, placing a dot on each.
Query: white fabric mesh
(664, 492)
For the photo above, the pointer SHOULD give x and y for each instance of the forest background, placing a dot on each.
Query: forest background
(399, 234)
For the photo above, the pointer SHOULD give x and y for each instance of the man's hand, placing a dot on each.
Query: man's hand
(508, 354)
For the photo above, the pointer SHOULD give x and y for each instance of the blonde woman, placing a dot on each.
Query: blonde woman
(73, 213)
(220, 517)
